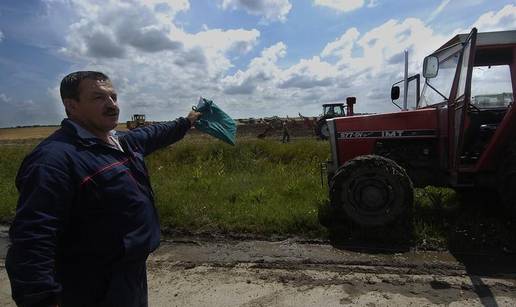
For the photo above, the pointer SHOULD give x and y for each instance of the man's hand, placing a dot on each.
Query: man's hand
(193, 116)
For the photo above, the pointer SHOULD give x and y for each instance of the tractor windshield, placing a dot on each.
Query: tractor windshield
(333, 110)
(438, 89)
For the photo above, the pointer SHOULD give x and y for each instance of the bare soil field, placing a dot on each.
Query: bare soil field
(9, 134)
(28, 133)
(296, 129)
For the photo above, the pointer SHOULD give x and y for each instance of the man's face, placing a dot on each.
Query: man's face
(97, 107)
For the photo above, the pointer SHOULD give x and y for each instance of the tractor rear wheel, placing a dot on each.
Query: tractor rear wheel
(507, 181)
(321, 129)
(372, 191)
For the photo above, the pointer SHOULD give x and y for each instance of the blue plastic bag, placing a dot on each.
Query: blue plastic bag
(215, 122)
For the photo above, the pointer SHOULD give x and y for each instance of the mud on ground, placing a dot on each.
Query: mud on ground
(193, 271)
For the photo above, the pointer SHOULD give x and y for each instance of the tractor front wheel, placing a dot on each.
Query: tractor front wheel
(372, 191)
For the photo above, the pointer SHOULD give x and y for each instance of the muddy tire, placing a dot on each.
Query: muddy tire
(507, 181)
(321, 129)
(372, 191)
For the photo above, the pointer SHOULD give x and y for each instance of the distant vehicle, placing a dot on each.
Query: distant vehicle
(332, 110)
(137, 120)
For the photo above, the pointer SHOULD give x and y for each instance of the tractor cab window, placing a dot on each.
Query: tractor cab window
(438, 89)
(333, 110)
(491, 95)
(491, 87)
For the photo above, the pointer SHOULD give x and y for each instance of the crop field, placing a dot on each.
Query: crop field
(31, 134)
(261, 187)
(26, 133)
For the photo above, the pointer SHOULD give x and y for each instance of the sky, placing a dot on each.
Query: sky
(253, 58)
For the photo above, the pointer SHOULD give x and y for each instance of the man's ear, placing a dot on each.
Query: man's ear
(70, 105)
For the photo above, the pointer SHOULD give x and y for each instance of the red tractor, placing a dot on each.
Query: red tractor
(461, 132)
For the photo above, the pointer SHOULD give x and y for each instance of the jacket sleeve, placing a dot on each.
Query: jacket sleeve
(153, 137)
(45, 195)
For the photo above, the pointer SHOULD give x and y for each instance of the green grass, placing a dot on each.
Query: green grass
(264, 187)
(257, 186)
(11, 157)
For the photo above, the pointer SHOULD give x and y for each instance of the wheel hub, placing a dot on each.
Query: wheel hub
(371, 195)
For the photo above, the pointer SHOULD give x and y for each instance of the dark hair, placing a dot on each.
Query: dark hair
(70, 84)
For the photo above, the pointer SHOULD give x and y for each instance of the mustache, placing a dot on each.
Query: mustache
(111, 112)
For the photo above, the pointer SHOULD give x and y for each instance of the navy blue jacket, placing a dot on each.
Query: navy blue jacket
(84, 207)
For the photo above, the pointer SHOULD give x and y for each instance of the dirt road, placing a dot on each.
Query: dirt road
(220, 272)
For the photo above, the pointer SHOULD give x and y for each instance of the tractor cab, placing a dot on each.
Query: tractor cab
(472, 77)
(333, 110)
(330, 110)
(137, 120)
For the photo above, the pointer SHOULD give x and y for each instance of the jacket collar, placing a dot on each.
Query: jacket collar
(83, 136)
(81, 132)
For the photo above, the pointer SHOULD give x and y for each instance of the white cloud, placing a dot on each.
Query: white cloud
(309, 74)
(260, 71)
(355, 64)
(14, 112)
(171, 7)
(369, 63)
(381, 46)
(117, 28)
(341, 46)
(166, 10)
(224, 40)
(438, 10)
(154, 64)
(132, 32)
(272, 10)
(504, 19)
(266, 89)
(4, 99)
(1, 36)
(166, 5)
(342, 5)
(372, 3)
(215, 44)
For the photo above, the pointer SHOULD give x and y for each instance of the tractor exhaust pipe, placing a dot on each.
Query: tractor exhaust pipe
(350, 101)
(405, 83)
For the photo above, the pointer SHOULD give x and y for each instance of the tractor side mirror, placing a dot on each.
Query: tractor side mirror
(430, 66)
(395, 92)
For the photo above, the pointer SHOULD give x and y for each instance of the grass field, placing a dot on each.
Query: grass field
(257, 186)
(265, 187)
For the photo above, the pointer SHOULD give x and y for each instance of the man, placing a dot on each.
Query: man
(286, 134)
(85, 221)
